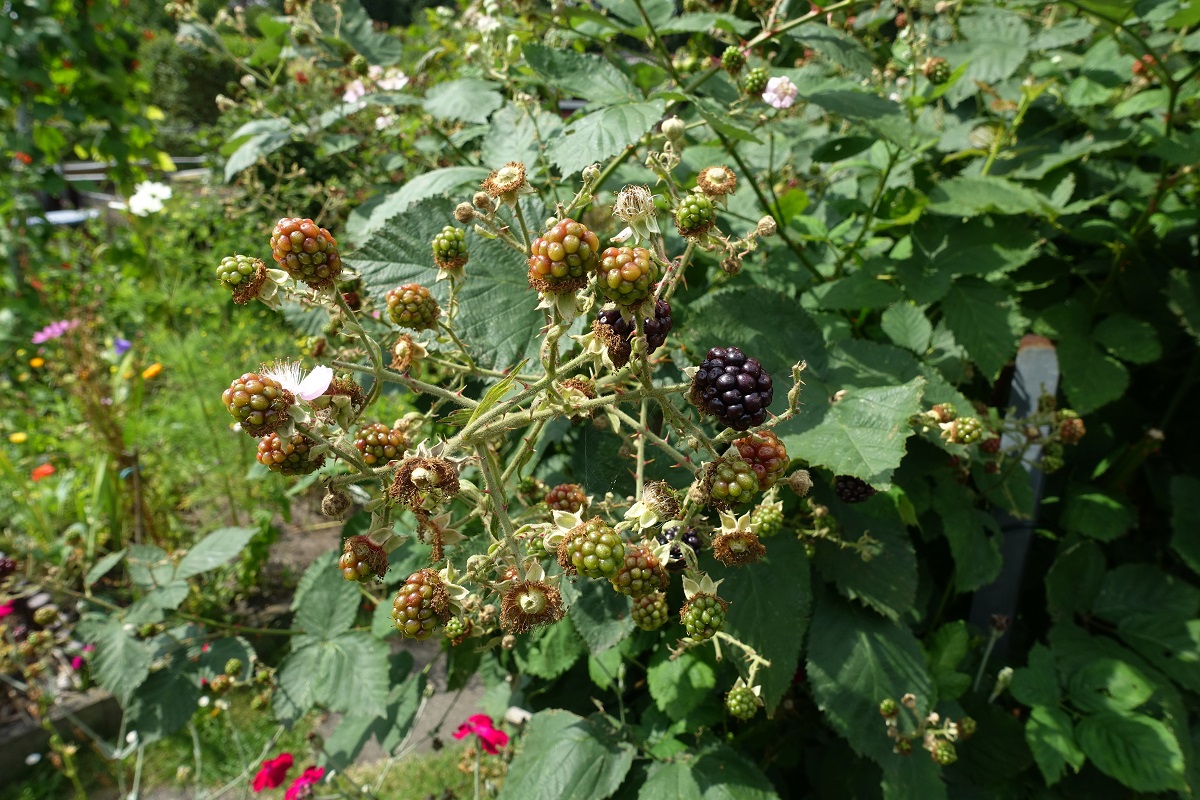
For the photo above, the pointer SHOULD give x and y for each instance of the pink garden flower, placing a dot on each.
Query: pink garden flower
(489, 738)
(6, 609)
(302, 786)
(780, 93)
(54, 330)
(273, 772)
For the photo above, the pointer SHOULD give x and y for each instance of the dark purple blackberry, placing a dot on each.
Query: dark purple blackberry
(7, 567)
(656, 329)
(734, 389)
(852, 490)
(671, 533)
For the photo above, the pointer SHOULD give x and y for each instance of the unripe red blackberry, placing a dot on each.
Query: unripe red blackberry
(412, 306)
(627, 275)
(450, 248)
(682, 537)
(766, 455)
(852, 490)
(733, 59)
(617, 333)
(694, 215)
(569, 497)
(755, 82)
(592, 549)
(936, 70)
(703, 615)
(945, 412)
(733, 482)
(733, 388)
(640, 573)
(306, 251)
(420, 604)
(379, 444)
(741, 702)
(1070, 427)
(362, 559)
(293, 457)
(260, 404)
(242, 275)
(650, 611)
(990, 445)
(562, 258)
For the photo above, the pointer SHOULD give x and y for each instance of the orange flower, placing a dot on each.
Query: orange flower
(42, 471)
(37, 363)
(151, 371)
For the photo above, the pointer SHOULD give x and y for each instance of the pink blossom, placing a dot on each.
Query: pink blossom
(302, 786)
(273, 772)
(6, 609)
(54, 330)
(780, 93)
(77, 663)
(481, 725)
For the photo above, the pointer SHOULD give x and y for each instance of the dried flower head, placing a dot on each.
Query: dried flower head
(528, 605)
(424, 480)
(716, 181)
(506, 182)
(635, 207)
(406, 352)
(737, 544)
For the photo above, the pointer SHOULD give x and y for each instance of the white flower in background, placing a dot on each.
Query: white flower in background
(148, 198)
(32, 759)
(487, 24)
(385, 121)
(378, 80)
(292, 378)
(780, 93)
(354, 92)
(393, 80)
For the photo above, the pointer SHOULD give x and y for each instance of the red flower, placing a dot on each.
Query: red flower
(6, 609)
(41, 471)
(302, 786)
(24, 158)
(273, 771)
(301, 77)
(481, 725)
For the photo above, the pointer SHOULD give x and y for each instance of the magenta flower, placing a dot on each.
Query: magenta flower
(780, 93)
(54, 330)
(273, 772)
(6, 609)
(302, 786)
(489, 738)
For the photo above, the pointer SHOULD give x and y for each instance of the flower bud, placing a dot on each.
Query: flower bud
(674, 129)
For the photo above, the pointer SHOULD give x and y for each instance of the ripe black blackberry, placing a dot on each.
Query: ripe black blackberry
(656, 329)
(733, 388)
(676, 533)
(852, 490)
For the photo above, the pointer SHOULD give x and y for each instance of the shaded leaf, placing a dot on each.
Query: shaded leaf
(563, 755)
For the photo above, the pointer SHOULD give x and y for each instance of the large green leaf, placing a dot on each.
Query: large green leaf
(1137, 750)
(1037, 684)
(771, 615)
(582, 74)
(1145, 589)
(518, 133)
(563, 755)
(219, 547)
(1051, 738)
(1090, 512)
(163, 704)
(346, 673)
(1185, 519)
(1129, 339)
(862, 434)
(356, 729)
(985, 320)
(671, 780)
(942, 250)
(602, 134)
(499, 320)
(1074, 579)
(679, 685)
(121, 662)
(857, 659)
(887, 582)
(356, 28)
(970, 532)
(600, 615)
(549, 652)
(972, 195)
(325, 603)
(374, 214)
(465, 100)
(947, 648)
(765, 324)
(1090, 378)
(723, 774)
(1108, 684)
(907, 326)
(996, 43)
(1169, 643)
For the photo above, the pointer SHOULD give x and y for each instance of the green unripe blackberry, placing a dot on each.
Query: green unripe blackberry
(944, 753)
(220, 684)
(592, 549)
(741, 702)
(535, 546)
(233, 667)
(734, 483)
(306, 251)
(359, 65)
(379, 444)
(640, 573)
(755, 82)
(966, 430)
(888, 708)
(258, 403)
(412, 306)
(627, 275)
(733, 59)
(937, 71)
(766, 521)
(650, 611)
(293, 457)
(694, 215)
(703, 615)
(455, 627)
(243, 275)
(562, 257)
(420, 604)
(450, 248)
(967, 727)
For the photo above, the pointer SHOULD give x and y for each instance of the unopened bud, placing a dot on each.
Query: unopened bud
(767, 226)
(591, 173)
(464, 213)
(800, 482)
(508, 642)
(335, 503)
(482, 201)
(674, 129)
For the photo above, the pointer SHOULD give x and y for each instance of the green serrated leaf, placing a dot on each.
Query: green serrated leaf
(164, 703)
(857, 659)
(602, 134)
(1137, 750)
(325, 603)
(996, 43)
(465, 100)
(1129, 339)
(347, 672)
(103, 566)
(121, 662)
(1090, 512)
(986, 321)
(372, 215)
(724, 774)
(947, 649)
(679, 685)
(566, 756)
(769, 615)
(1074, 579)
(359, 32)
(600, 615)
(1185, 519)
(518, 133)
(549, 652)
(670, 780)
(887, 582)
(389, 730)
(943, 250)
(1145, 589)
(1183, 298)
(970, 533)
(218, 548)
(584, 75)
(1051, 737)
(842, 148)
(1037, 684)
(863, 434)
(858, 291)
(1108, 684)
(970, 196)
